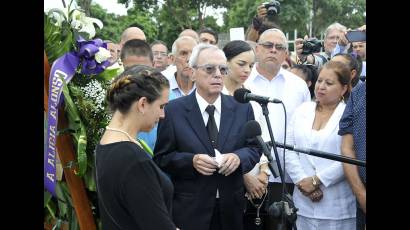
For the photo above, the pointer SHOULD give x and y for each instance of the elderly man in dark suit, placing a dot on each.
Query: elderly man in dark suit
(202, 146)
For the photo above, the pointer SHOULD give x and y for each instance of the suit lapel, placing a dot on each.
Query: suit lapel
(227, 117)
(194, 117)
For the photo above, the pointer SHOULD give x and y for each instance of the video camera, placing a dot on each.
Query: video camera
(272, 8)
(312, 45)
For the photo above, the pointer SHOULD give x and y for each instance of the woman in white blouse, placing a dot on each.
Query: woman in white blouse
(323, 197)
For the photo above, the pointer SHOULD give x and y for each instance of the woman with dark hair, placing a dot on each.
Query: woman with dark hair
(308, 73)
(240, 58)
(355, 65)
(133, 192)
(324, 197)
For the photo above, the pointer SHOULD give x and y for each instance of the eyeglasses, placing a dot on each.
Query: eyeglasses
(270, 45)
(157, 53)
(211, 69)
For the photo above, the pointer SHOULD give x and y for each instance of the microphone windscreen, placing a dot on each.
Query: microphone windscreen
(239, 95)
(252, 129)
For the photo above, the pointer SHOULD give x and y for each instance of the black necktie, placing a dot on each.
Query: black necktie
(211, 126)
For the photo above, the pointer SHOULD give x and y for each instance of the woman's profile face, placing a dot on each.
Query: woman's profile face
(155, 111)
(240, 66)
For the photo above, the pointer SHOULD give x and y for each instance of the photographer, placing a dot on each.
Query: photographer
(266, 18)
(334, 35)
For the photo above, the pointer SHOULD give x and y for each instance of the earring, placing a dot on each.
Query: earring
(342, 98)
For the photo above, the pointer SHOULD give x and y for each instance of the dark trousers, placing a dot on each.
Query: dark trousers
(216, 217)
(268, 222)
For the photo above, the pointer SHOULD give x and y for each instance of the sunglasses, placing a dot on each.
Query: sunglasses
(211, 69)
(270, 45)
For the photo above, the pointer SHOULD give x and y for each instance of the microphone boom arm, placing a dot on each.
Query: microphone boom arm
(321, 154)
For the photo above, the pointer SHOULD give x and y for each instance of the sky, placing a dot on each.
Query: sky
(113, 7)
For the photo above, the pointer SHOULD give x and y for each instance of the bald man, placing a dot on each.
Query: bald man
(190, 33)
(132, 33)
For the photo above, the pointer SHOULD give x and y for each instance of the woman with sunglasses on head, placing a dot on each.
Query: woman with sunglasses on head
(133, 192)
(323, 196)
(240, 59)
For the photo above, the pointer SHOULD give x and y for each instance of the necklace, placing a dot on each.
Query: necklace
(258, 220)
(129, 136)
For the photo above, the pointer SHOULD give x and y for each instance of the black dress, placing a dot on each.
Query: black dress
(133, 193)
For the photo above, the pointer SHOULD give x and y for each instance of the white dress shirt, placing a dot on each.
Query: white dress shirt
(217, 114)
(169, 71)
(202, 106)
(338, 201)
(288, 88)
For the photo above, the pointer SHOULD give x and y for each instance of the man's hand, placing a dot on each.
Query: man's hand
(261, 11)
(229, 163)
(299, 48)
(316, 195)
(306, 186)
(361, 198)
(255, 185)
(204, 164)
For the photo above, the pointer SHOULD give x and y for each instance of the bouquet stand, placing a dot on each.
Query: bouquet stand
(67, 154)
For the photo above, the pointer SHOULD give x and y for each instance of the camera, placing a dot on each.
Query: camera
(272, 8)
(312, 45)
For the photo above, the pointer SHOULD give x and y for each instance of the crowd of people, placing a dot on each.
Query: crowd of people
(176, 154)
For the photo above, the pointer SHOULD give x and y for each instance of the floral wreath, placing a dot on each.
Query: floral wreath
(79, 78)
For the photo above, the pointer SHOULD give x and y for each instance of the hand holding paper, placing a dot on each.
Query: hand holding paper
(229, 163)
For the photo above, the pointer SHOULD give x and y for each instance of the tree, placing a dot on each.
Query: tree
(85, 5)
(295, 14)
(114, 25)
(111, 29)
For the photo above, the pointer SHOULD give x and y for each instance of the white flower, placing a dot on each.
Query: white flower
(82, 23)
(58, 15)
(79, 21)
(102, 55)
(94, 91)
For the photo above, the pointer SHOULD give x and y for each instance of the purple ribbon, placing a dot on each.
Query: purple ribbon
(65, 67)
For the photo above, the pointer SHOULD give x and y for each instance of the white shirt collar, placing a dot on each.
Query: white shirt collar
(203, 104)
(173, 84)
(256, 75)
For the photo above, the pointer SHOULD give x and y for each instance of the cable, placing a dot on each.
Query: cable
(284, 161)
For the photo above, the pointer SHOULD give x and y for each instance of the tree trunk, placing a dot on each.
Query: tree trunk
(85, 5)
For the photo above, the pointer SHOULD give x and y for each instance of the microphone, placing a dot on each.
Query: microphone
(253, 131)
(243, 95)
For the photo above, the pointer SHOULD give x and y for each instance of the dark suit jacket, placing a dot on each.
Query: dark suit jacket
(181, 135)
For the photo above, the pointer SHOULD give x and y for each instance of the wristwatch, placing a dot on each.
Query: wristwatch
(267, 171)
(314, 182)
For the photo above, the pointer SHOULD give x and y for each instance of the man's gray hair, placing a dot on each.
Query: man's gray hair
(335, 26)
(193, 60)
(179, 39)
(275, 30)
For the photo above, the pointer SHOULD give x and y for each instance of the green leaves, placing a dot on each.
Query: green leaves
(109, 74)
(57, 40)
(79, 131)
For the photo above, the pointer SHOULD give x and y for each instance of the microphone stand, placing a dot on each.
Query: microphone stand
(285, 208)
(321, 154)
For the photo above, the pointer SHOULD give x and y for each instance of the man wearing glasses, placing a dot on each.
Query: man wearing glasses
(334, 35)
(269, 79)
(202, 146)
(160, 52)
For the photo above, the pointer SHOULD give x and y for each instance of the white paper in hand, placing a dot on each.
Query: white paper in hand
(218, 157)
